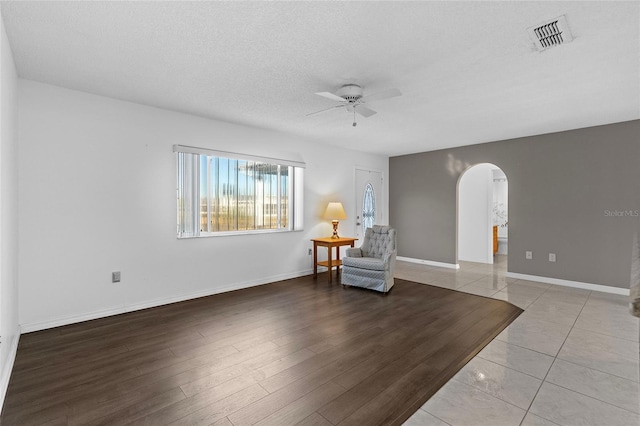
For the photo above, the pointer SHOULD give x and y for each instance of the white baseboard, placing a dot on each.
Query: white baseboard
(87, 316)
(568, 283)
(7, 368)
(429, 262)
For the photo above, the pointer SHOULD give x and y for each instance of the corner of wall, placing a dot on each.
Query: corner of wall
(7, 366)
(9, 328)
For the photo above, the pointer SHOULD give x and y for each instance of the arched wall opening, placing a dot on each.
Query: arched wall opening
(482, 214)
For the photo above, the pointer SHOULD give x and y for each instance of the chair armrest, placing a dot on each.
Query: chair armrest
(389, 257)
(354, 252)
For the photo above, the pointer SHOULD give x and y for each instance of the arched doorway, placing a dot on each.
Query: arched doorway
(482, 210)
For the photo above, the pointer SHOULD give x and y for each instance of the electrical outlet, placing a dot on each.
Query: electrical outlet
(309, 252)
(115, 277)
(528, 255)
(552, 257)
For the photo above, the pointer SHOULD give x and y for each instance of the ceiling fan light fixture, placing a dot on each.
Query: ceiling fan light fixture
(350, 92)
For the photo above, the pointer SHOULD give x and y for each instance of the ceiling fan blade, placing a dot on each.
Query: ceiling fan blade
(364, 111)
(326, 109)
(331, 96)
(391, 93)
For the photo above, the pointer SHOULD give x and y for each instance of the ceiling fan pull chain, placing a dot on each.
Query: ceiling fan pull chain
(354, 116)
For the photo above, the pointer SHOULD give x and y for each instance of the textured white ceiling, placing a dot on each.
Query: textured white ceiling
(467, 70)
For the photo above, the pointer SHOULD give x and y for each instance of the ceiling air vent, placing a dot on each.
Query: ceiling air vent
(550, 34)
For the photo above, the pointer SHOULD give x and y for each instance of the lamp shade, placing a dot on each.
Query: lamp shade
(335, 211)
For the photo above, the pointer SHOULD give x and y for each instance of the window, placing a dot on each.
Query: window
(221, 193)
(368, 208)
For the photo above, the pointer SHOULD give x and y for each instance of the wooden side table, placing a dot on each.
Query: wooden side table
(329, 243)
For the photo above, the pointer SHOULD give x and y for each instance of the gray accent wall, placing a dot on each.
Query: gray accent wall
(573, 193)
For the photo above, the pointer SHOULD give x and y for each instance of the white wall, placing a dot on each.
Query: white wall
(475, 199)
(500, 209)
(500, 215)
(97, 185)
(8, 213)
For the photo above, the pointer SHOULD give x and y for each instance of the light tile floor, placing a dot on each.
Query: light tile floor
(571, 358)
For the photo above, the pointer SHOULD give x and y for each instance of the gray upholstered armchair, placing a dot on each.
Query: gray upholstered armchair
(371, 265)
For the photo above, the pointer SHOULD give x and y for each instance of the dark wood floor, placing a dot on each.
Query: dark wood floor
(294, 352)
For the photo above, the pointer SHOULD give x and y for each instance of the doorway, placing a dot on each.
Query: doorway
(368, 201)
(482, 228)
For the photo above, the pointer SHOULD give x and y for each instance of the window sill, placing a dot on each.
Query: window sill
(234, 233)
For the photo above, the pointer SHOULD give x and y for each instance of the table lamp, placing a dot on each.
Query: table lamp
(335, 212)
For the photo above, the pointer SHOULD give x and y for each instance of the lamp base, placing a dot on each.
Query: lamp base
(335, 229)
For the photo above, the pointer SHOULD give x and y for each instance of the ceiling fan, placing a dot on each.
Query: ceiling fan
(350, 96)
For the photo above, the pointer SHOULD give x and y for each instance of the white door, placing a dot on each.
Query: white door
(368, 201)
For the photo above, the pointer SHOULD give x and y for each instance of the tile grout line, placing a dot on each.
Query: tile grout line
(605, 334)
(573, 326)
(555, 357)
(526, 411)
(592, 397)
(542, 381)
(583, 366)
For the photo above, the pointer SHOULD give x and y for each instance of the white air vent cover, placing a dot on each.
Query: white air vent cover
(550, 34)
